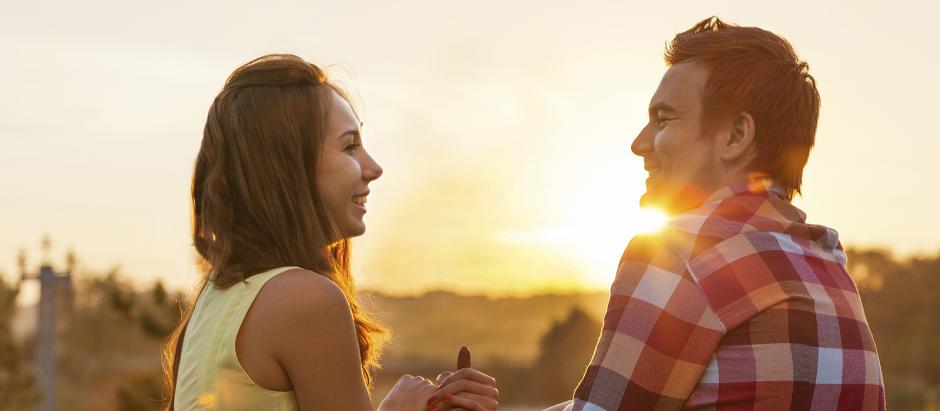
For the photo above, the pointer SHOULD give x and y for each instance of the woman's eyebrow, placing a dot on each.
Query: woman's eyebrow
(354, 132)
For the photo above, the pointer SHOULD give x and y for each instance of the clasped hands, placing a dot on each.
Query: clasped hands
(464, 389)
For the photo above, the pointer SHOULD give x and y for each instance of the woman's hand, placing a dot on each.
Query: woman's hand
(410, 393)
(465, 389)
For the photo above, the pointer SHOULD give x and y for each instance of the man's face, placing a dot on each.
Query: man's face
(682, 165)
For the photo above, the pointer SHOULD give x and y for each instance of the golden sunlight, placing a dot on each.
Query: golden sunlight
(649, 220)
(598, 257)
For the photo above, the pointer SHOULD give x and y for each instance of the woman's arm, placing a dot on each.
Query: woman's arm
(313, 339)
(315, 342)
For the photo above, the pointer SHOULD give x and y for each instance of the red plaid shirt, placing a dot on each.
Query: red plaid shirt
(738, 304)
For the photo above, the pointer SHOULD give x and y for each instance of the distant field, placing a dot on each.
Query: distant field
(502, 331)
(503, 335)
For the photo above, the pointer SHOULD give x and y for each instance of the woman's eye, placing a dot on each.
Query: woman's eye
(352, 147)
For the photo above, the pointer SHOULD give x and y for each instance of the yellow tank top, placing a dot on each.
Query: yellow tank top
(210, 377)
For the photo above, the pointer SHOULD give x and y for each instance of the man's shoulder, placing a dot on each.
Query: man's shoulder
(657, 248)
(719, 234)
(697, 231)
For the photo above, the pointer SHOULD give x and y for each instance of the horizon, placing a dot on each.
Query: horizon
(29, 292)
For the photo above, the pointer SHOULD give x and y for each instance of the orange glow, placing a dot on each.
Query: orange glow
(508, 163)
(650, 220)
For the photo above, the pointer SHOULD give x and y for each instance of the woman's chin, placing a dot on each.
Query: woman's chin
(354, 230)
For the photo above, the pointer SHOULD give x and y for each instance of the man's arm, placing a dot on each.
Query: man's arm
(659, 334)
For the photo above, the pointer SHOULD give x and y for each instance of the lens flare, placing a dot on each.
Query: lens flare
(650, 220)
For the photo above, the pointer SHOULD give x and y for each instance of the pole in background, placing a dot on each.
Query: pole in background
(51, 284)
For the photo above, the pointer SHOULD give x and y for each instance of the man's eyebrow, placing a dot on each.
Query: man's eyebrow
(655, 108)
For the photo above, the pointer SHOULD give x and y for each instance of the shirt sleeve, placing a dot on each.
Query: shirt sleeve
(659, 334)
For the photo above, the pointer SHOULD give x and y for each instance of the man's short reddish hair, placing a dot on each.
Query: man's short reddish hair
(754, 70)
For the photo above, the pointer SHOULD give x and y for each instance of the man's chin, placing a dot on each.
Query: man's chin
(675, 201)
(652, 200)
(646, 200)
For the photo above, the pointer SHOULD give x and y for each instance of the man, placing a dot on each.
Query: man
(737, 303)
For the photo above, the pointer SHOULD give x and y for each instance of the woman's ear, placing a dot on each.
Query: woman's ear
(738, 144)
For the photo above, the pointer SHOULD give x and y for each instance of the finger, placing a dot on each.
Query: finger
(451, 401)
(463, 358)
(469, 374)
(405, 379)
(486, 402)
(442, 376)
(467, 386)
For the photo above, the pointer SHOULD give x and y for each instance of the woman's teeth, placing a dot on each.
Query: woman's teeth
(359, 200)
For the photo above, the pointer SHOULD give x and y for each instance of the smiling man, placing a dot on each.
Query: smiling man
(737, 303)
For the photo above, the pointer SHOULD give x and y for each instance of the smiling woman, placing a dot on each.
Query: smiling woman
(278, 190)
(346, 169)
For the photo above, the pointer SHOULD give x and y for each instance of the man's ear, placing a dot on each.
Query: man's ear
(738, 144)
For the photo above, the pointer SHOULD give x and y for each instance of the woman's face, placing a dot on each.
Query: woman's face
(345, 170)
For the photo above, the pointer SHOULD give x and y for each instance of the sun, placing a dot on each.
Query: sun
(597, 241)
(648, 220)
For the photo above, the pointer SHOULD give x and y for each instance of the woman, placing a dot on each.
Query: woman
(279, 187)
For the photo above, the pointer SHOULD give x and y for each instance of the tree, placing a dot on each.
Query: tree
(17, 390)
(901, 299)
(159, 316)
(141, 393)
(159, 293)
(565, 351)
(104, 345)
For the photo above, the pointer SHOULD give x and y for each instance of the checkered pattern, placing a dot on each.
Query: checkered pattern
(736, 305)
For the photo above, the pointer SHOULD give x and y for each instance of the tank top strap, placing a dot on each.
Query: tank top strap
(210, 374)
(249, 289)
(254, 283)
(227, 368)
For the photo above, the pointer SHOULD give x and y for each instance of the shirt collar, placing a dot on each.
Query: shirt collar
(755, 183)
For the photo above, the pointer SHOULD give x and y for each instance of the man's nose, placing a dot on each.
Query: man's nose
(643, 143)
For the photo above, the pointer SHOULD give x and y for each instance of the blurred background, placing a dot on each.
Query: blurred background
(509, 189)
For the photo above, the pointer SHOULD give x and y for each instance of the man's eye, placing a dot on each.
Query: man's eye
(661, 121)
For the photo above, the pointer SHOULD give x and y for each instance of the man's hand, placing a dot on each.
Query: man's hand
(464, 389)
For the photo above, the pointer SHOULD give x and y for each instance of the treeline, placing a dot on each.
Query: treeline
(110, 338)
(108, 347)
(902, 301)
(17, 386)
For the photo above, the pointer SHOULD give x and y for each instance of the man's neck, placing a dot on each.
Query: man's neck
(693, 197)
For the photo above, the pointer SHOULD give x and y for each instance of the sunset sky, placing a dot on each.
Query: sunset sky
(503, 127)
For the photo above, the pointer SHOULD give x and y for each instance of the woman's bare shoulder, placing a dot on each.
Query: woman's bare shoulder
(300, 294)
(306, 326)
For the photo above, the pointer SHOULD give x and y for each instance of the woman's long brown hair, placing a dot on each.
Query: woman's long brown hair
(255, 201)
